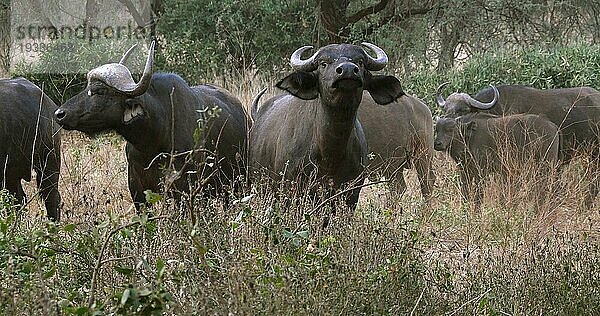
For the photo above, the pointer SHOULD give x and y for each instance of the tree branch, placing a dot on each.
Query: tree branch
(395, 18)
(91, 11)
(332, 14)
(137, 17)
(374, 9)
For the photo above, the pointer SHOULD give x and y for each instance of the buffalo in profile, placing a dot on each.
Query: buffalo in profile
(399, 136)
(313, 130)
(576, 112)
(482, 144)
(29, 139)
(165, 123)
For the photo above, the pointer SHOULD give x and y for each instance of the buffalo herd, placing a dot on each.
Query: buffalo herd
(334, 124)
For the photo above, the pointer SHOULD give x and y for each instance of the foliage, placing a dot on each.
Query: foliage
(46, 268)
(232, 35)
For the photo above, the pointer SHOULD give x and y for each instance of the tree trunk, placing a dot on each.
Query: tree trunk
(332, 14)
(448, 43)
(5, 40)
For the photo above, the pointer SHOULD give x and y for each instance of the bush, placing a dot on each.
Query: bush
(230, 36)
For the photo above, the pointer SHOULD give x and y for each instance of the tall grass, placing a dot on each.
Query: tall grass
(394, 255)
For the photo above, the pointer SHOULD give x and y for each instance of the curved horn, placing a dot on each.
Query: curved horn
(440, 99)
(484, 106)
(144, 82)
(303, 65)
(380, 61)
(126, 55)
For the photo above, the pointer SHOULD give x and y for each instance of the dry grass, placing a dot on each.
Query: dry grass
(393, 256)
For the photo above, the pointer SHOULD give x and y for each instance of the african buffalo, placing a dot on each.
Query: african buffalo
(576, 112)
(164, 121)
(483, 144)
(29, 139)
(399, 135)
(312, 130)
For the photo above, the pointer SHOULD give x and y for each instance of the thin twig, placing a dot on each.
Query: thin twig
(172, 128)
(183, 153)
(23, 254)
(412, 312)
(116, 259)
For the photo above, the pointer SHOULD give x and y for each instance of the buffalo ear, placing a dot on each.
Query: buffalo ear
(133, 110)
(301, 84)
(384, 89)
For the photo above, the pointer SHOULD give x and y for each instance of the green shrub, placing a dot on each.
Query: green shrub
(230, 36)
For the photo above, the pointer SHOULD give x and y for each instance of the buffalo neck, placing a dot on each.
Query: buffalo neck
(336, 124)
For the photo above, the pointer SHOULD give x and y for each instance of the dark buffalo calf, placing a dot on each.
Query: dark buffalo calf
(483, 144)
(28, 131)
(576, 112)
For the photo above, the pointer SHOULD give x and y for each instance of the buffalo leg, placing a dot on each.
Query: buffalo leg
(48, 175)
(594, 186)
(542, 186)
(478, 195)
(426, 175)
(465, 187)
(13, 185)
(399, 184)
(352, 199)
(136, 190)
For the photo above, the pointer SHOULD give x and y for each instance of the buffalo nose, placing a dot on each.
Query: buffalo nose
(347, 69)
(60, 114)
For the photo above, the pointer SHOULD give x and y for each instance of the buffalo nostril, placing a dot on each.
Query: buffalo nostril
(339, 70)
(60, 114)
(355, 70)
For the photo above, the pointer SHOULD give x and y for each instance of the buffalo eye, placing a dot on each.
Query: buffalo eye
(98, 91)
(324, 64)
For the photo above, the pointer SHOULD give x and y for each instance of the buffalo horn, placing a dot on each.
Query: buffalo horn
(440, 99)
(303, 65)
(484, 106)
(118, 76)
(377, 63)
(126, 55)
(144, 82)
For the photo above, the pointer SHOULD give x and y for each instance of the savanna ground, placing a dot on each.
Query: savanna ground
(394, 255)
